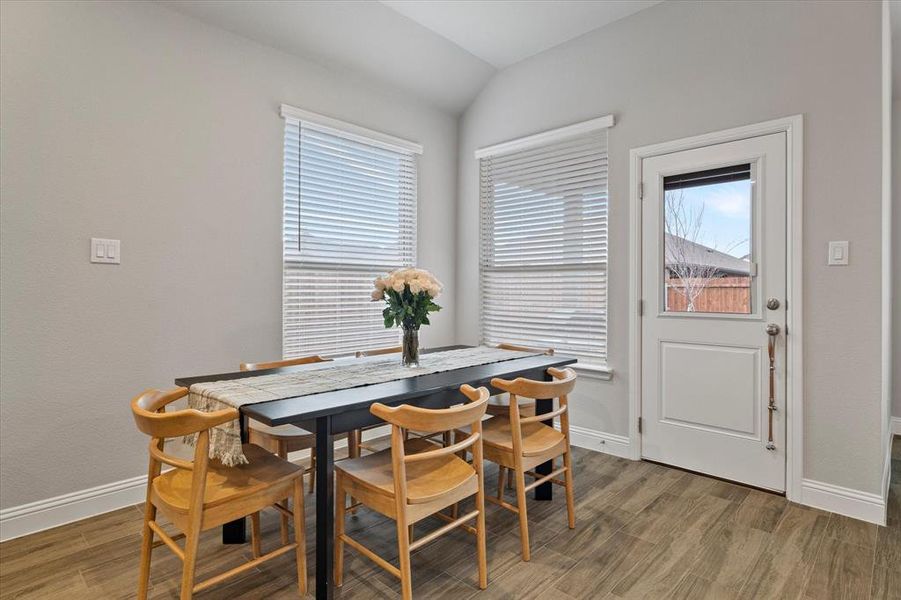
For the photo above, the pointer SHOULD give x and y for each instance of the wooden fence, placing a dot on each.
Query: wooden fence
(721, 295)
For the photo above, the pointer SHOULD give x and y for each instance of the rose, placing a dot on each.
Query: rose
(416, 286)
(378, 295)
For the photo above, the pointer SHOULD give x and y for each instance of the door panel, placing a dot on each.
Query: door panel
(713, 251)
(699, 401)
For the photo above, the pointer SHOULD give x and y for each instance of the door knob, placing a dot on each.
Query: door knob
(772, 329)
(772, 303)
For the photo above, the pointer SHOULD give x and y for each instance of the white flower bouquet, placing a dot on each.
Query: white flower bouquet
(409, 295)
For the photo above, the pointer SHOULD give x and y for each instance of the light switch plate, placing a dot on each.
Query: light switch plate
(838, 254)
(105, 251)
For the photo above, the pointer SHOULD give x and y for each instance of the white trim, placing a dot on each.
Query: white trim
(602, 372)
(608, 443)
(33, 517)
(350, 130)
(546, 137)
(887, 260)
(887, 474)
(37, 516)
(896, 426)
(793, 128)
(844, 501)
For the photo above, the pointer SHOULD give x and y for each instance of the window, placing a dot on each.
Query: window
(707, 241)
(543, 254)
(349, 215)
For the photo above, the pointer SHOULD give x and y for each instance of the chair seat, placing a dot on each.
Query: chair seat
(426, 480)
(225, 484)
(286, 432)
(537, 438)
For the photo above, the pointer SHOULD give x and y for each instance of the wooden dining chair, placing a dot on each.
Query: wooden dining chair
(282, 439)
(500, 405)
(520, 443)
(202, 494)
(378, 351)
(415, 479)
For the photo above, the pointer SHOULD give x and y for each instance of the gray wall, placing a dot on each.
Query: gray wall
(685, 68)
(130, 121)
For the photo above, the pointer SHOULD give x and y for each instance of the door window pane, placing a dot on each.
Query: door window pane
(707, 241)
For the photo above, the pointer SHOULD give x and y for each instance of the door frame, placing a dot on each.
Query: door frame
(793, 129)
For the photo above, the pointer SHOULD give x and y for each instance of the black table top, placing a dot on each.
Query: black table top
(291, 410)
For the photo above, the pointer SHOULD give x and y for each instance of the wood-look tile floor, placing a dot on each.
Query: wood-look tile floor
(643, 531)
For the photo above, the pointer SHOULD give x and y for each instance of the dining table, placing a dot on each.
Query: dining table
(331, 413)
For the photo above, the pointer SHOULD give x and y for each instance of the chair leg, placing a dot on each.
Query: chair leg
(192, 540)
(255, 534)
(300, 536)
(481, 550)
(446, 438)
(568, 478)
(523, 518)
(146, 551)
(403, 547)
(282, 452)
(340, 515)
(501, 482)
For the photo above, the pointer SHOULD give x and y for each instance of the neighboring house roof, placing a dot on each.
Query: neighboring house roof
(680, 249)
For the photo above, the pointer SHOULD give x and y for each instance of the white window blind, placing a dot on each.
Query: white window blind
(543, 252)
(349, 215)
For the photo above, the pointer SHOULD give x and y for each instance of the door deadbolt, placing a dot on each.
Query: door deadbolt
(772, 303)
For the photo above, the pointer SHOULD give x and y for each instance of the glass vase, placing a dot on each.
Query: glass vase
(410, 349)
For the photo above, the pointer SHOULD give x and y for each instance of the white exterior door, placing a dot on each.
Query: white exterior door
(713, 284)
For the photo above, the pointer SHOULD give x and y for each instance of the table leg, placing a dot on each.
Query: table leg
(325, 508)
(235, 532)
(545, 491)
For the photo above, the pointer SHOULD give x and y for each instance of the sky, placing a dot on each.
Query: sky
(726, 224)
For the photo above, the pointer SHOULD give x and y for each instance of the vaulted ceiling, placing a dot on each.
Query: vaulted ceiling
(503, 32)
(442, 51)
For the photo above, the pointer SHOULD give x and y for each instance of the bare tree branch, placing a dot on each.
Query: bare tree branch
(684, 224)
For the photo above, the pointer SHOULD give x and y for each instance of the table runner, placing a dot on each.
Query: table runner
(225, 439)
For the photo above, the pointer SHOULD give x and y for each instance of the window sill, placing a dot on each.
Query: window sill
(601, 372)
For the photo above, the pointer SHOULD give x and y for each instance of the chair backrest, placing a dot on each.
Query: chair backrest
(506, 346)
(303, 360)
(563, 382)
(149, 411)
(377, 351)
(405, 417)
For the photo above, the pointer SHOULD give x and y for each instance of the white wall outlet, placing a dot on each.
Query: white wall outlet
(105, 251)
(838, 254)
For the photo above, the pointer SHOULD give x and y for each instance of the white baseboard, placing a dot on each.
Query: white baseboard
(844, 501)
(887, 473)
(37, 516)
(896, 425)
(609, 443)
